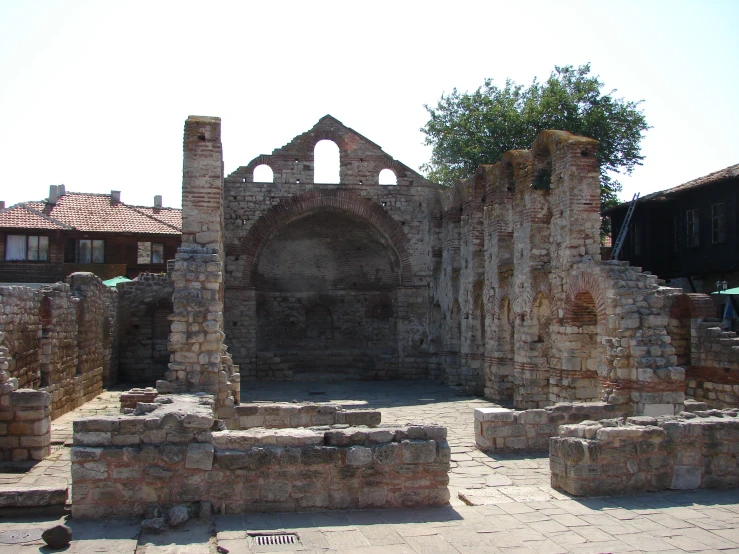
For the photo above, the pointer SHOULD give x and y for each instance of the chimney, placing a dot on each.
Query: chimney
(2, 204)
(158, 201)
(61, 190)
(52, 194)
(115, 196)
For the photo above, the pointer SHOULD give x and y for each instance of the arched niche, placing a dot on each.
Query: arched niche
(324, 283)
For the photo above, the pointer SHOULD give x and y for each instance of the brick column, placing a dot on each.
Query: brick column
(196, 340)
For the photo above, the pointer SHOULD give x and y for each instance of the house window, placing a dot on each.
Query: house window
(691, 228)
(32, 248)
(718, 223)
(676, 234)
(150, 253)
(85, 251)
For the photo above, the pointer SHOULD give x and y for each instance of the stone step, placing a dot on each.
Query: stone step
(21, 498)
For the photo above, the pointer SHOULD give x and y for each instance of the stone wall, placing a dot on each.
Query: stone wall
(329, 277)
(171, 455)
(61, 339)
(694, 450)
(199, 362)
(504, 430)
(144, 307)
(307, 414)
(25, 417)
(530, 313)
(709, 354)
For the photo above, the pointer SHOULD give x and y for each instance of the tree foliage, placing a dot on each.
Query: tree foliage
(470, 129)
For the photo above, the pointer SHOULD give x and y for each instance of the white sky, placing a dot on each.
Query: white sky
(94, 94)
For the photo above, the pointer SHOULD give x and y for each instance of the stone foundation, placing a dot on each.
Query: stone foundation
(693, 450)
(25, 425)
(173, 453)
(283, 415)
(131, 398)
(504, 430)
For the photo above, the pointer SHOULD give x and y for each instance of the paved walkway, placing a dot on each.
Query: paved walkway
(516, 511)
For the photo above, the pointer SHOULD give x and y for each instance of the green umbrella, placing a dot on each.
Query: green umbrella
(735, 290)
(115, 280)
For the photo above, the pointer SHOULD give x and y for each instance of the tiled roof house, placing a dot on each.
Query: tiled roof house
(44, 241)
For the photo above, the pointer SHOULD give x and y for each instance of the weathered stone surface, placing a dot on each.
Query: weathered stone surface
(199, 456)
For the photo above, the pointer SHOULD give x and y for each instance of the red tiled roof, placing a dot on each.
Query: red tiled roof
(92, 213)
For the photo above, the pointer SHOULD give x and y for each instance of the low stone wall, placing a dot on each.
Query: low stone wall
(693, 450)
(61, 339)
(131, 398)
(504, 430)
(716, 386)
(25, 417)
(172, 455)
(25, 424)
(282, 415)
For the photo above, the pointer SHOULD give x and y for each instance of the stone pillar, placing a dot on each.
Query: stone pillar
(196, 340)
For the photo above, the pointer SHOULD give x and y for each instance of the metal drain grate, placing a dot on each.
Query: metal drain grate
(274, 539)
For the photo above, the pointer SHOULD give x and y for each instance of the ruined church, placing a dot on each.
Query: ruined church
(494, 285)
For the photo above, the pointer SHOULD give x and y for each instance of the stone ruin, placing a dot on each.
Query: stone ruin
(494, 285)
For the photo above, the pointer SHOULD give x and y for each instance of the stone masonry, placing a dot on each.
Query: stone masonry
(494, 285)
(196, 338)
(694, 450)
(171, 452)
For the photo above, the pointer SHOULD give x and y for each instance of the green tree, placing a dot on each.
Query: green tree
(470, 129)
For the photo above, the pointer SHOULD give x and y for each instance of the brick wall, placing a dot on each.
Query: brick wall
(61, 338)
(346, 243)
(145, 305)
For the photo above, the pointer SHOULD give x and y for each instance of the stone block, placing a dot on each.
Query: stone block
(656, 410)
(358, 456)
(28, 398)
(418, 452)
(495, 414)
(199, 456)
(686, 477)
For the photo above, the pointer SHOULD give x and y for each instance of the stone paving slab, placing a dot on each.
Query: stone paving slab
(527, 517)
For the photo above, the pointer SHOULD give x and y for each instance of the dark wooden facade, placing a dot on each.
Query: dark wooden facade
(685, 232)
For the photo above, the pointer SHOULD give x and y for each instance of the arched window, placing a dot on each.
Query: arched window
(327, 161)
(263, 174)
(387, 177)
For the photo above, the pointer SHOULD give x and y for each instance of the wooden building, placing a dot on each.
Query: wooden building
(44, 241)
(686, 235)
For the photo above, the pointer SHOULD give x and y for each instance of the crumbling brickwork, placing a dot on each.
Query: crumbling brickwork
(535, 316)
(196, 338)
(695, 450)
(328, 279)
(144, 307)
(61, 338)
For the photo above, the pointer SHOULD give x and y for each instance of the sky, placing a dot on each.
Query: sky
(94, 94)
